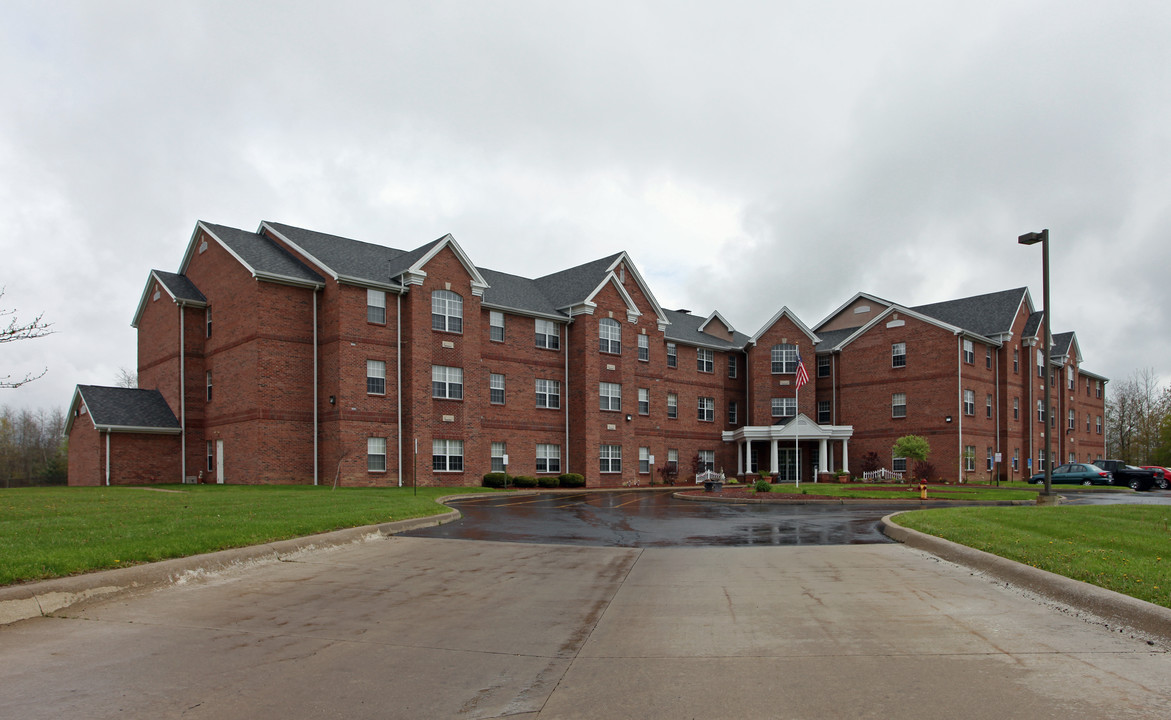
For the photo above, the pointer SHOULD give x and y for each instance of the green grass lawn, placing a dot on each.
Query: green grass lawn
(1125, 548)
(52, 532)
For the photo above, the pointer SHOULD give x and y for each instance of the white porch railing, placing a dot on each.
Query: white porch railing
(707, 475)
(882, 474)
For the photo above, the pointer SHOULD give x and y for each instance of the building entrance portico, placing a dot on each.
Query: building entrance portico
(778, 449)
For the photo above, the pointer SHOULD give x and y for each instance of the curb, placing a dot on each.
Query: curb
(1113, 609)
(782, 499)
(46, 597)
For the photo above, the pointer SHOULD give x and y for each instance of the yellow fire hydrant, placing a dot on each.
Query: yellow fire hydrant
(922, 490)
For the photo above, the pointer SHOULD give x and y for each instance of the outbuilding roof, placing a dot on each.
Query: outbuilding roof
(119, 409)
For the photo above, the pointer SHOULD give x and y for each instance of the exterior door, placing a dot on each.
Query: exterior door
(787, 464)
(219, 462)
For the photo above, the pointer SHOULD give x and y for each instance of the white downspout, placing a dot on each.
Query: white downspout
(565, 396)
(398, 355)
(960, 397)
(996, 449)
(182, 404)
(107, 458)
(315, 412)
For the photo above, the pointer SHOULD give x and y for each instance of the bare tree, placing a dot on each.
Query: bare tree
(126, 378)
(1137, 412)
(16, 330)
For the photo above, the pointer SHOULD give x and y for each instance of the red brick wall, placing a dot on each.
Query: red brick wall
(85, 453)
(135, 459)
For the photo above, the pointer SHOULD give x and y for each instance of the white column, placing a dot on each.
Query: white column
(846, 454)
(821, 455)
(741, 448)
(772, 456)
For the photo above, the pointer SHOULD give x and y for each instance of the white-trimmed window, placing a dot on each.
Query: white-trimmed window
(1072, 419)
(1097, 388)
(447, 382)
(644, 401)
(610, 336)
(706, 409)
(898, 405)
(207, 319)
(703, 360)
(499, 450)
(784, 359)
(988, 406)
(784, 407)
(969, 402)
(210, 456)
(447, 455)
(376, 454)
(707, 460)
(208, 377)
(610, 395)
(672, 405)
(447, 311)
(496, 389)
(1087, 422)
(644, 460)
(823, 366)
(548, 458)
(1040, 411)
(898, 464)
(969, 457)
(1016, 361)
(610, 458)
(376, 306)
(1098, 424)
(1016, 408)
(732, 412)
(898, 355)
(644, 348)
(548, 393)
(732, 365)
(969, 352)
(495, 326)
(672, 359)
(1070, 377)
(823, 412)
(1072, 458)
(1040, 364)
(548, 334)
(1016, 458)
(991, 459)
(1041, 460)
(673, 458)
(988, 360)
(375, 377)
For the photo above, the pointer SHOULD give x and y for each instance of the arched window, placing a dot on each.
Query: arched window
(784, 359)
(610, 335)
(447, 311)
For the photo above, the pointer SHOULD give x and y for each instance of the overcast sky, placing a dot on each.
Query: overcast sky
(748, 155)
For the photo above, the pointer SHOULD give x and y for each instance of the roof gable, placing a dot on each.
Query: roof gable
(685, 328)
(785, 312)
(410, 265)
(118, 409)
(353, 262)
(178, 287)
(262, 257)
(861, 302)
(989, 315)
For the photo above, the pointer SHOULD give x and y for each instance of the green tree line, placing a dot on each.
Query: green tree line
(32, 447)
(1138, 420)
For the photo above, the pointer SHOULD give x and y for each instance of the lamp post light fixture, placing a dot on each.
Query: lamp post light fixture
(1032, 239)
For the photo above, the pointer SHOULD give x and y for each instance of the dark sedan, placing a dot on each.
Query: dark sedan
(1076, 474)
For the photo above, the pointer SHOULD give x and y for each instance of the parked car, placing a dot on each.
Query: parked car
(1076, 474)
(1162, 476)
(1134, 477)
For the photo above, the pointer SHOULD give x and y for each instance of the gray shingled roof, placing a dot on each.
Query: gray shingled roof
(403, 262)
(263, 255)
(514, 292)
(684, 328)
(180, 287)
(830, 338)
(569, 287)
(1061, 344)
(349, 258)
(1033, 325)
(127, 407)
(986, 315)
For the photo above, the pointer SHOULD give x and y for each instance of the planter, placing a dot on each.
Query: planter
(843, 478)
(712, 486)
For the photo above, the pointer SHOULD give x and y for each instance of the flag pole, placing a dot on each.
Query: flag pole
(796, 412)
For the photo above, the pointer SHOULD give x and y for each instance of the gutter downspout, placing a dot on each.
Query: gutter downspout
(1031, 424)
(995, 469)
(960, 398)
(398, 359)
(182, 404)
(565, 405)
(107, 458)
(315, 389)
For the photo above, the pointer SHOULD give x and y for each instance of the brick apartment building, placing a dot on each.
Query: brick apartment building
(292, 356)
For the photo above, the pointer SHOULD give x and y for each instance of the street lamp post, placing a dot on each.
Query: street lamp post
(1032, 239)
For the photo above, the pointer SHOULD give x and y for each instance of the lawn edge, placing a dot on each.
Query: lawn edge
(1114, 610)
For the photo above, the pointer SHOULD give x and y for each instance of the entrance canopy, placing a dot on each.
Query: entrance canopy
(790, 428)
(788, 432)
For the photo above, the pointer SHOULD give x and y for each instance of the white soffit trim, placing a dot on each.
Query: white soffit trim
(851, 301)
(785, 312)
(717, 316)
(623, 257)
(632, 311)
(479, 284)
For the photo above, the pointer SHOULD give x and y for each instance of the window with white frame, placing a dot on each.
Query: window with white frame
(1041, 460)
(1040, 411)
(496, 389)
(988, 356)
(784, 407)
(1072, 419)
(823, 412)
(498, 451)
(1040, 364)
(548, 334)
(1087, 422)
(644, 348)
(673, 458)
(969, 352)
(207, 319)
(703, 360)
(732, 365)
(548, 458)
(210, 456)
(707, 460)
(1070, 376)
(644, 460)
(706, 409)
(988, 406)
(1097, 388)
(672, 405)
(447, 311)
(969, 457)
(991, 458)
(447, 455)
(610, 458)
(375, 306)
(208, 378)
(495, 326)
(732, 412)
(1016, 458)
(898, 464)
(376, 454)
(1016, 408)
(1098, 424)
(898, 405)
(969, 402)
(672, 359)
(375, 377)
(898, 355)
(784, 359)
(1072, 458)
(610, 395)
(1052, 416)
(823, 366)
(548, 393)
(609, 336)
(447, 382)
(644, 401)
(1016, 361)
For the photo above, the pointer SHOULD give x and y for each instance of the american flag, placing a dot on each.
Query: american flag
(802, 376)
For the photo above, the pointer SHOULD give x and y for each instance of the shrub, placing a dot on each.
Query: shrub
(548, 482)
(572, 480)
(495, 480)
(524, 481)
(925, 471)
(763, 486)
(871, 462)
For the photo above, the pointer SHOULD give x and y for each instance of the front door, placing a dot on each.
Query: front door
(219, 462)
(787, 464)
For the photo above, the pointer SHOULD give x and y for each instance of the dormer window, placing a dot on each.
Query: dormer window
(447, 311)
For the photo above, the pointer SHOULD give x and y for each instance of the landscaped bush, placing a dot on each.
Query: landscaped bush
(925, 471)
(763, 486)
(572, 480)
(524, 481)
(495, 480)
(548, 482)
(871, 462)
